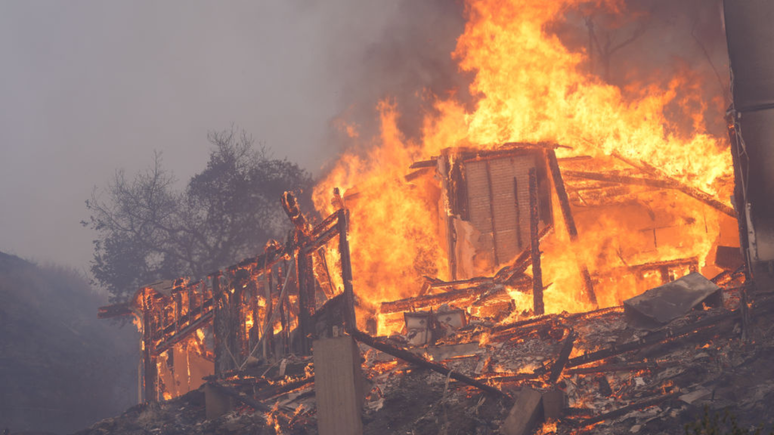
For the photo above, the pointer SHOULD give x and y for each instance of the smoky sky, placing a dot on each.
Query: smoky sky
(87, 87)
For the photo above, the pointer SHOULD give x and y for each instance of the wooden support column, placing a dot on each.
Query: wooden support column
(537, 272)
(350, 322)
(338, 386)
(451, 239)
(268, 342)
(283, 319)
(569, 221)
(306, 300)
(236, 334)
(149, 359)
(221, 330)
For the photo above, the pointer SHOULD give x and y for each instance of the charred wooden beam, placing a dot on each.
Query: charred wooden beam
(451, 238)
(117, 310)
(660, 265)
(418, 173)
(412, 358)
(627, 409)
(569, 221)
(620, 179)
(537, 272)
(190, 316)
(478, 280)
(221, 330)
(182, 334)
(350, 321)
(306, 301)
(276, 390)
(626, 367)
(677, 185)
(456, 295)
(423, 164)
(561, 192)
(522, 261)
(150, 370)
(655, 338)
(564, 355)
(512, 378)
(522, 323)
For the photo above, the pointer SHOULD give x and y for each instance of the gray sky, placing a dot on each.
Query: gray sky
(87, 87)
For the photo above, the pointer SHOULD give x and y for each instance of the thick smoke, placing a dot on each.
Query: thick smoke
(409, 64)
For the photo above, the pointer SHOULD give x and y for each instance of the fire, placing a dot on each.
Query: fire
(533, 88)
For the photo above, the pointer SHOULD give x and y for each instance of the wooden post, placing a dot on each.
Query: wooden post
(537, 273)
(236, 323)
(223, 362)
(283, 320)
(569, 221)
(268, 342)
(338, 386)
(446, 187)
(149, 359)
(306, 300)
(350, 321)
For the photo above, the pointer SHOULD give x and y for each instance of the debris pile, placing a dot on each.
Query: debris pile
(285, 342)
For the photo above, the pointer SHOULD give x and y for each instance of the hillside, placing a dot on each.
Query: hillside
(60, 367)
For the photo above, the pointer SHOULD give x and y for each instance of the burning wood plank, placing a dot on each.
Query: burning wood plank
(458, 296)
(620, 412)
(564, 355)
(677, 185)
(412, 358)
(673, 334)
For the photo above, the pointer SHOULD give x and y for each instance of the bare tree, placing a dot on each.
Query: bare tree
(147, 230)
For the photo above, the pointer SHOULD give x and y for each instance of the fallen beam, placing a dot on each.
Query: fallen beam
(655, 338)
(418, 302)
(276, 390)
(620, 412)
(630, 367)
(564, 356)
(569, 221)
(412, 358)
(677, 185)
(621, 179)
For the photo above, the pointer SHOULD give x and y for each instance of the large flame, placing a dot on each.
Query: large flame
(530, 88)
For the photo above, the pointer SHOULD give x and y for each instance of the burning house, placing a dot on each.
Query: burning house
(520, 271)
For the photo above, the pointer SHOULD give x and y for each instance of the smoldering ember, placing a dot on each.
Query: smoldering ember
(560, 255)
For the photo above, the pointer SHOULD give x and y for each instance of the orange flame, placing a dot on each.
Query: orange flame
(532, 88)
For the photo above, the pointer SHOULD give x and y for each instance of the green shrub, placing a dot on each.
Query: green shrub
(716, 424)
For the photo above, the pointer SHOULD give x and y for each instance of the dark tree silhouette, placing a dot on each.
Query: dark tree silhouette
(147, 230)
